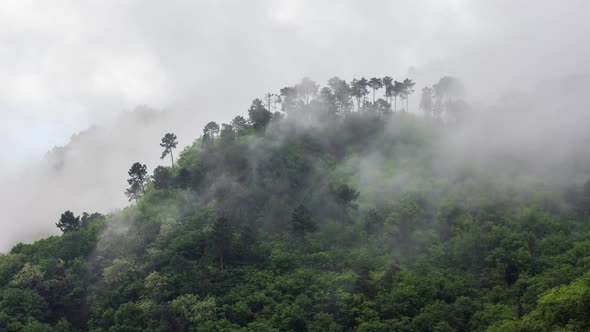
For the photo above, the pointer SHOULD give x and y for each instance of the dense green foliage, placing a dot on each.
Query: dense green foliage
(324, 220)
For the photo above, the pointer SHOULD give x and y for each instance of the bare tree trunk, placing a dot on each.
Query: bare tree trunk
(172, 157)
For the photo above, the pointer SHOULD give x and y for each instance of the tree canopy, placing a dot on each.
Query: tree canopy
(137, 177)
(326, 218)
(169, 142)
(68, 222)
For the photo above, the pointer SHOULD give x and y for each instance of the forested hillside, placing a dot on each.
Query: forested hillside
(324, 209)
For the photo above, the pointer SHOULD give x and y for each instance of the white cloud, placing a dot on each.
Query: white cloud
(88, 60)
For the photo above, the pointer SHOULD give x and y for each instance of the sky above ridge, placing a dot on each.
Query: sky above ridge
(65, 65)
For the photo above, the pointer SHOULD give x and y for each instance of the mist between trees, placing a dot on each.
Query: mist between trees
(332, 209)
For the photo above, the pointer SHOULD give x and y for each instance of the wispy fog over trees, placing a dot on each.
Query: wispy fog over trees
(326, 208)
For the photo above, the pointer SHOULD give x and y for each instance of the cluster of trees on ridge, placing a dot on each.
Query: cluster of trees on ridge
(308, 222)
(333, 101)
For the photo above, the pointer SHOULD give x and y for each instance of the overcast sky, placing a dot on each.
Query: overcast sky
(67, 64)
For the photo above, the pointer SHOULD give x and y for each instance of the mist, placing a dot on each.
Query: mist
(76, 84)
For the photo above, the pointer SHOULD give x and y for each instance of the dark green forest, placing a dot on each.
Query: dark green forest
(322, 209)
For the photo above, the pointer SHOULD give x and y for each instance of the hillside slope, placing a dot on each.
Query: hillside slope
(322, 220)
